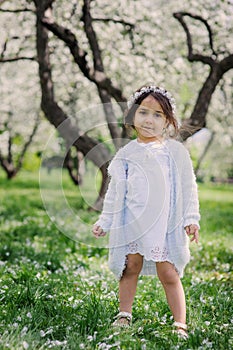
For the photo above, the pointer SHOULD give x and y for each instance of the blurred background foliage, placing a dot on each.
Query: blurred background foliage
(140, 42)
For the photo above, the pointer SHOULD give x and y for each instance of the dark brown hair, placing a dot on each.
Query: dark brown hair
(165, 105)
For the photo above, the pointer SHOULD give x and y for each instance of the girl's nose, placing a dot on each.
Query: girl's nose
(149, 118)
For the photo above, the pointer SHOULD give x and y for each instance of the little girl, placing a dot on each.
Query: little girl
(151, 206)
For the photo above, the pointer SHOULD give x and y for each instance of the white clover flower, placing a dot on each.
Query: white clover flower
(42, 333)
(207, 343)
(49, 331)
(54, 343)
(24, 331)
(202, 299)
(25, 345)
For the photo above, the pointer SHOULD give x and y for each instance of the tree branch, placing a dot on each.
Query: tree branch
(197, 119)
(207, 146)
(27, 144)
(99, 67)
(4, 48)
(226, 63)
(129, 26)
(7, 163)
(8, 167)
(92, 38)
(19, 58)
(191, 56)
(114, 20)
(110, 117)
(79, 55)
(70, 39)
(43, 5)
(9, 149)
(17, 10)
(201, 19)
(80, 58)
(48, 3)
(73, 168)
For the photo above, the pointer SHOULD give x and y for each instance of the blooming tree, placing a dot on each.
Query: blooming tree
(114, 49)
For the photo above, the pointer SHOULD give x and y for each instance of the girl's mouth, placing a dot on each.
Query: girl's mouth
(147, 128)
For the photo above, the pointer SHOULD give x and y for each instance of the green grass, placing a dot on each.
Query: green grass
(58, 293)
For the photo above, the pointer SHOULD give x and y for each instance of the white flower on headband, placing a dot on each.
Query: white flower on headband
(152, 88)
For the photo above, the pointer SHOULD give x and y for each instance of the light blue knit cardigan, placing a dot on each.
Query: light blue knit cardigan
(184, 206)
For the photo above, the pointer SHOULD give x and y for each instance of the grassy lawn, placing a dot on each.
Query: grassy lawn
(57, 292)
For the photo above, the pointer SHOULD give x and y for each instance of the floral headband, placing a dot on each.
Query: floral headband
(152, 88)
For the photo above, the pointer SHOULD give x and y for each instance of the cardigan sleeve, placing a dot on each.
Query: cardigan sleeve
(191, 213)
(117, 171)
(106, 217)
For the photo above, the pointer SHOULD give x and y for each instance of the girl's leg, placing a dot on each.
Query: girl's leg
(128, 282)
(173, 290)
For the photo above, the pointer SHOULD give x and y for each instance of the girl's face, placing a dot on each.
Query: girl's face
(149, 120)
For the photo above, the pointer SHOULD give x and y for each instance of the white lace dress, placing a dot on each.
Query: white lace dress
(147, 206)
(151, 197)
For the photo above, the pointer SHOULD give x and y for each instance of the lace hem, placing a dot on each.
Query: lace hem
(155, 254)
(148, 260)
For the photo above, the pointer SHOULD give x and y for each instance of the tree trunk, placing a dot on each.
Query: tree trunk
(218, 68)
(9, 168)
(209, 143)
(197, 120)
(94, 151)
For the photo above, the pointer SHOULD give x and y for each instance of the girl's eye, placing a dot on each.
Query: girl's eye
(144, 113)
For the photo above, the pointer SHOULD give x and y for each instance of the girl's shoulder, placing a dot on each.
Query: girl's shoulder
(128, 148)
(119, 162)
(174, 143)
(175, 146)
(178, 153)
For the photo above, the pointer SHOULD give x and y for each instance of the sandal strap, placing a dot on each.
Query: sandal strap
(181, 333)
(124, 314)
(180, 325)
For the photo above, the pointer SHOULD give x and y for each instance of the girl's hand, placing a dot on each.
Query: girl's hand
(98, 231)
(192, 230)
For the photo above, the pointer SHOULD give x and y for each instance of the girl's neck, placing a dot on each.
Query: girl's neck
(158, 139)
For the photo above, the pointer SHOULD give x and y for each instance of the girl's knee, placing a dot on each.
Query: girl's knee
(134, 265)
(167, 274)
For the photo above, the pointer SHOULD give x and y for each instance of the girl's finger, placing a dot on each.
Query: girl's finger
(195, 236)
